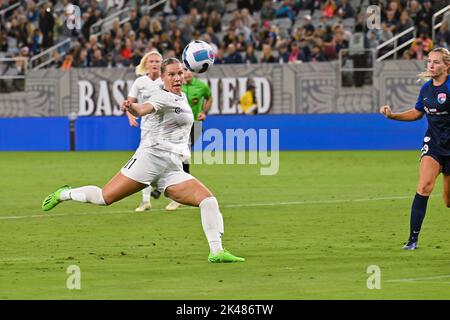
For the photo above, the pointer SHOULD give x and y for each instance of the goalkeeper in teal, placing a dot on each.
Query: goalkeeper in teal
(200, 100)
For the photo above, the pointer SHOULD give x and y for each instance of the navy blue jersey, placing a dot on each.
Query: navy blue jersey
(435, 102)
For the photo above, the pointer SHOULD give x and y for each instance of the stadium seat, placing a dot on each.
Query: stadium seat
(282, 23)
(301, 14)
(349, 24)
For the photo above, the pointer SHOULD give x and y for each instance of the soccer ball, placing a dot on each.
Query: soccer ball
(198, 56)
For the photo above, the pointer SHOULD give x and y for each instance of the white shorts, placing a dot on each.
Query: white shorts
(158, 168)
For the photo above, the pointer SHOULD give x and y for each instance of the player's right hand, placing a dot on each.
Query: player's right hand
(125, 105)
(386, 111)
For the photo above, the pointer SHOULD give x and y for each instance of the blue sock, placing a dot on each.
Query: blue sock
(418, 210)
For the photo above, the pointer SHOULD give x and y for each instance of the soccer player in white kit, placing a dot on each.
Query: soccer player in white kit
(149, 82)
(158, 162)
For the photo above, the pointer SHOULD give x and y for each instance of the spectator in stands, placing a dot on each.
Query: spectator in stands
(81, 60)
(250, 56)
(339, 41)
(246, 19)
(404, 24)
(267, 12)
(98, 61)
(203, 22)
(230, 37)
(329, 9)
(214, 21)
(127, 52)
(283, 53)
(299, 54)
(285, 11)
(345, 10)
(395, 7)
(232, 55)
(267, 55)
(308, 27)
(213, 37)
(414, 9)
(46, 24)
(443, 36)
(317, 54)
(68, 61)
(115, 28)
(424, 16)
(134, 19)
(422, 45)
(252, 5)
(32, 13)
(391, 21)
(157, 29)
(173, 8)
(37, 40)
(217, 5)
(3, 42)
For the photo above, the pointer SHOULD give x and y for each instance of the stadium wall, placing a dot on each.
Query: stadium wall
(309, 88)
(283, 132)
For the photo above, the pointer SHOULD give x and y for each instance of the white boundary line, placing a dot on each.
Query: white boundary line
(420, 279)
(243, 205)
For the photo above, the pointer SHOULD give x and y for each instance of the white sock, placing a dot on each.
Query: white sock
(90, 194)
(212, 223)
(146, 194)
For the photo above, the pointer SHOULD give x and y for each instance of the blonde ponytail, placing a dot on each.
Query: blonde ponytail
(423, 76)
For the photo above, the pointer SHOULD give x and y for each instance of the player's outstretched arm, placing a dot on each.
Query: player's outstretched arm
(137, 109)
(132, 120)
(408, 115)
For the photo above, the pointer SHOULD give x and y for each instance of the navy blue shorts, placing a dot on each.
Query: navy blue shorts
(444, 161)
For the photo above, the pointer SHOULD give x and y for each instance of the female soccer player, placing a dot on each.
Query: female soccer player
(199, 98)
(158, 161)
(149, 82)
(434, 101)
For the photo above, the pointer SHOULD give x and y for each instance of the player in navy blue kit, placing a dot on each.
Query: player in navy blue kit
(434, 101)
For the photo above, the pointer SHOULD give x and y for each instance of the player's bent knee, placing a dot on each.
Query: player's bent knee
(426, 189)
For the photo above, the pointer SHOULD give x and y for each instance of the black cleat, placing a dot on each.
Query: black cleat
(410, 245)
(155, 194)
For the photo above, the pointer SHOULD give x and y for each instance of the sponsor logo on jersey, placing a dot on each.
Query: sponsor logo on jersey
(442, 97)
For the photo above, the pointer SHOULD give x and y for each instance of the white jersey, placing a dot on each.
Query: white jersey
(142, 89)
(170, 124)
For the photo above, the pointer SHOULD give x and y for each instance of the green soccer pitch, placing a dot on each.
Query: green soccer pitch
(309, 232)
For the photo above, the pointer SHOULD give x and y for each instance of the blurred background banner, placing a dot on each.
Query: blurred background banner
(280, 89)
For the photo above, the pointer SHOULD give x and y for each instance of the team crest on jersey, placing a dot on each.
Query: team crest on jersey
(441, 98)
(177, 110)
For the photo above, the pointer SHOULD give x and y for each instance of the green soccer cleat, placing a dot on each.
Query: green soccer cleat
(224, 256)
(53, 198)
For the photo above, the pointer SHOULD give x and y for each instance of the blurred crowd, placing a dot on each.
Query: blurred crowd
(241, 31)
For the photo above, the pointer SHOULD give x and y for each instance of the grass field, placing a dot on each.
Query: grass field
(309, 232)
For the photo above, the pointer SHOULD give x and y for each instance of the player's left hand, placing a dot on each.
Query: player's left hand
(201, 116)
